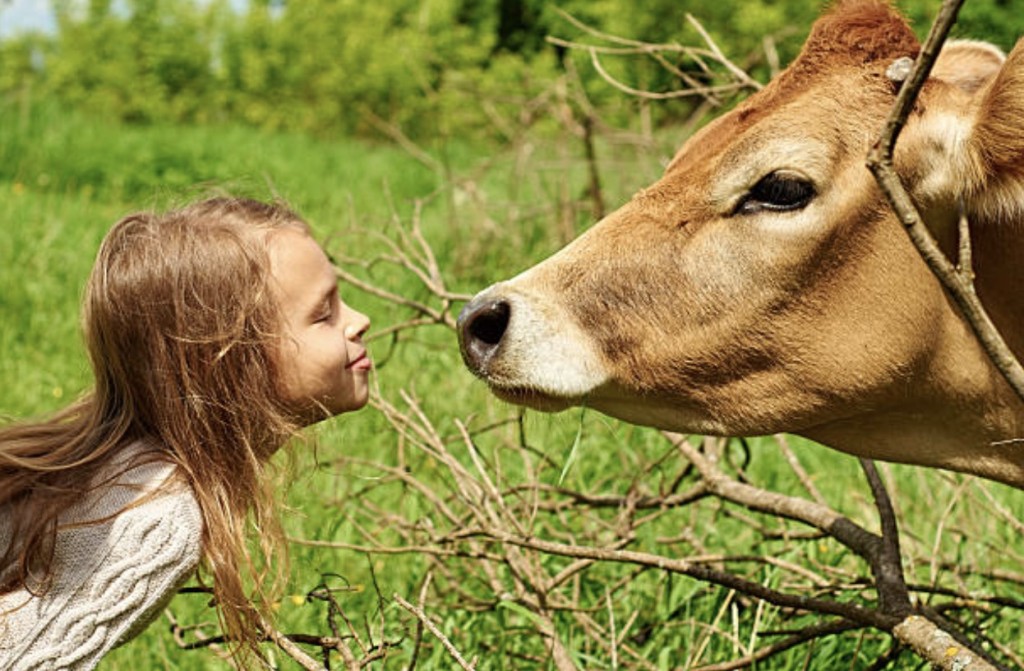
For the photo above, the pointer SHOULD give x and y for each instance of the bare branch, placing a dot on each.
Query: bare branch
(701, 572)
(432, 628)
(738, 73)
(737, 80)
(934, 644)
(880, 161)
(807, 634)
(887, 564)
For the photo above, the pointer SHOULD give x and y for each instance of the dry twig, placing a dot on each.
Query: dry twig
(958, 279)
(425, 620)
(737, 79)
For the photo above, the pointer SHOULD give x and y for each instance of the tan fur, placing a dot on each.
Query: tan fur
(968, 64)
(694, 315)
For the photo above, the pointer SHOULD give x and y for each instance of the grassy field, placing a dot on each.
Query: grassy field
(64, 179)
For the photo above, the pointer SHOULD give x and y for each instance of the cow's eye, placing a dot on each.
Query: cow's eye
(777, 192)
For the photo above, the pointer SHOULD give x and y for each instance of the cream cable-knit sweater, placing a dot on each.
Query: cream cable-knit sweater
(111, 579)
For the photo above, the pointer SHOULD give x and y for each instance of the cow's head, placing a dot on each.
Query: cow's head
(763, 284)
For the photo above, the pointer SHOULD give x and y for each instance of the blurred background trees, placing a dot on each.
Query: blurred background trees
(340, 67)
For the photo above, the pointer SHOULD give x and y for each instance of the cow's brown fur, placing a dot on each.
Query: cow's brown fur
(682, 311)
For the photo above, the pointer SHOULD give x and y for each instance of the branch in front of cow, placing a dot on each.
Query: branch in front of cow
(886, 562)
(958, 281)
(913, 83)
(965, 256)
(881, 552)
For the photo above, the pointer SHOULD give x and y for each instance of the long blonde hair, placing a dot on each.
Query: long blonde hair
(181, 327)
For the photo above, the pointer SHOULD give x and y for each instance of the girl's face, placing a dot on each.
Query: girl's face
(325, 366)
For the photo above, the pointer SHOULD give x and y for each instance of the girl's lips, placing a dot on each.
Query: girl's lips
(361, 362)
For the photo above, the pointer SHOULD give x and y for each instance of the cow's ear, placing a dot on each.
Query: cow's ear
(966, 142)
(997, 139)
(968, 64)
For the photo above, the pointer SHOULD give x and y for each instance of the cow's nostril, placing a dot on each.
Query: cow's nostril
(488, 324)
(481, 328)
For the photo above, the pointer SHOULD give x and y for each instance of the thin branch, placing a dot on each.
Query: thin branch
(852, 612)
(738, 79)
(704, 91)
(880, 161)
(821, 517)
(887, 564)
(288, 646)
(738, 73)
(810, 633)
(798, 469)
(432, 628)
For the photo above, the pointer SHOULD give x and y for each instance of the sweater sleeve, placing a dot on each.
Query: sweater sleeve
(111, 579)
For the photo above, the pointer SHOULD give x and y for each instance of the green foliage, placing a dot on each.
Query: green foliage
(19, 69)
(47, 148)
(146, 63)
(340, 66)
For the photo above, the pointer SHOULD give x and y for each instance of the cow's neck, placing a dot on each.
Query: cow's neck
(999, 264)
(964, 415)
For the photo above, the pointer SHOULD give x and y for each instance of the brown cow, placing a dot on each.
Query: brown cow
(763, 284)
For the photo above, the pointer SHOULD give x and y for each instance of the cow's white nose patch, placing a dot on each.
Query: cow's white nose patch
(542, 348)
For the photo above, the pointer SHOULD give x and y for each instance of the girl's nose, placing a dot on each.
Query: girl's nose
(358, 325)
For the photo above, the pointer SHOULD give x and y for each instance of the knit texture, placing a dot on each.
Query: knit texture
(111, 577)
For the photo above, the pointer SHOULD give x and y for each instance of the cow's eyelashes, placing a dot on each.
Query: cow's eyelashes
(776, 192)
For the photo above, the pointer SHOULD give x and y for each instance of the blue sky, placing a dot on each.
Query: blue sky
(17, 16)
(20, 15)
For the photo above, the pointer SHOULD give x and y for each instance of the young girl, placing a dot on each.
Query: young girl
(215, 332)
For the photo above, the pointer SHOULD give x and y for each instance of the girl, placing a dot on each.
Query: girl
(215, 332)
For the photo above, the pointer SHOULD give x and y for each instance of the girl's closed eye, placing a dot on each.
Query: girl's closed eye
(326, 310)
(324, 314)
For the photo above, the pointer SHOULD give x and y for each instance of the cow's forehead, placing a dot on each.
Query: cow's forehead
(789, 110)
(838, 78)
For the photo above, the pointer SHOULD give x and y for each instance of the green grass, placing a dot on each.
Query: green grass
(65, 178)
